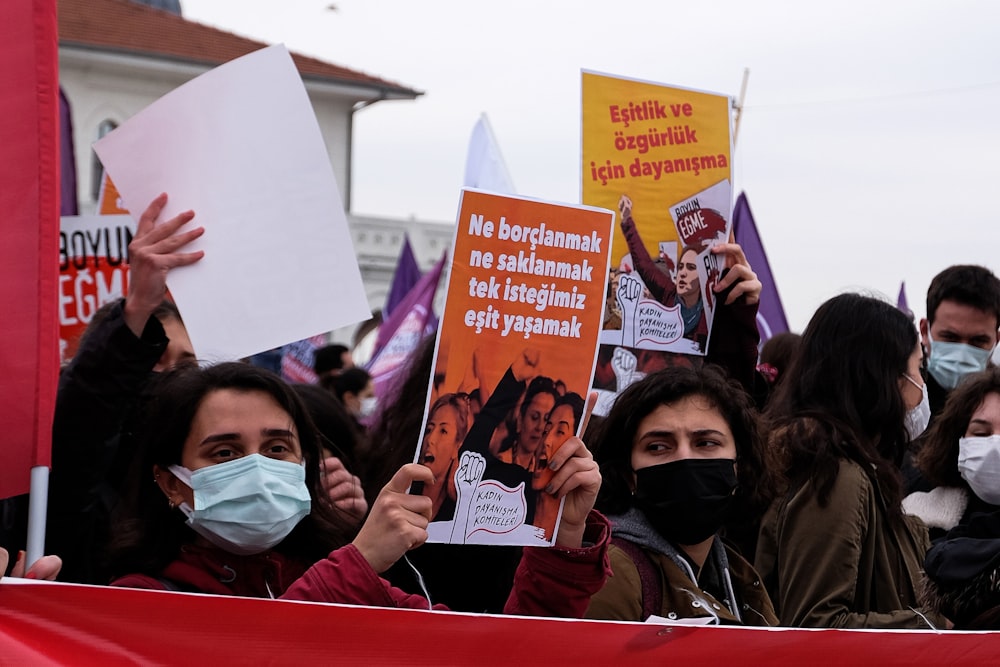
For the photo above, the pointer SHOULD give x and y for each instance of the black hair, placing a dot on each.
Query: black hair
(614, 440)
(576, 404)
(336, 427)
(396, 435)
(148, 533)
(329, 358)
(967, 284)
(938, 457)
(841, 397)
(353, 380)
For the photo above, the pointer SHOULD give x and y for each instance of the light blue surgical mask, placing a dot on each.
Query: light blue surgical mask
(248, 505)
(950, 362)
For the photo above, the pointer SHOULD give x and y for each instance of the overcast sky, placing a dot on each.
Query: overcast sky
(868, 146)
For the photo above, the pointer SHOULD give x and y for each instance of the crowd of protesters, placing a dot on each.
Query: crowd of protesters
(801, 488)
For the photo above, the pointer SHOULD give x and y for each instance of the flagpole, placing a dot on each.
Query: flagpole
(38, 500)
(739, 104)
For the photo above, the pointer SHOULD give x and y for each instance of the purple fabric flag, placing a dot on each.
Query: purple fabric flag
(398, 336)
(901, 300)
(406, 276)
(67, 160)
(770, 314)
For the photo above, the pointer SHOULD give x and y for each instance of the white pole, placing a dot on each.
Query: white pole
(38, 500)
(739, 104)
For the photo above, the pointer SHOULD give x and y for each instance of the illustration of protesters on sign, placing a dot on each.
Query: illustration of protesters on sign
(513, 360)
(659, 312)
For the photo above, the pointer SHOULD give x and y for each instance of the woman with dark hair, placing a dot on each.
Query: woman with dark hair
(836, 549)
(236, 506)
(960, 458)
(448, 422)
(561, 425)
(677, 451)
(961, 455)
(343, 445)
(356, 390)
(523, 444)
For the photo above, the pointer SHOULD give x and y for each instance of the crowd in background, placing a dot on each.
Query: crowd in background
(801, 486)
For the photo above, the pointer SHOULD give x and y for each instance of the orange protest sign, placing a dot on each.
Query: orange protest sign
(518, 335)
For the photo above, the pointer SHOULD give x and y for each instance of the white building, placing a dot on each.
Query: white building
(118, 56)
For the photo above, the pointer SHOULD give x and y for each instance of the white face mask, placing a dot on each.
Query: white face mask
(919, 416)
(368, 406)
(979, 465)
(248, 505)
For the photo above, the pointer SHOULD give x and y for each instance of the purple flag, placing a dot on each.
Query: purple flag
(67, 160)
(770, 314)
(901, 300)
(398, 336)
(407, 275)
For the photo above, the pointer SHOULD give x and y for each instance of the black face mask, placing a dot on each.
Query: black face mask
(686, 501)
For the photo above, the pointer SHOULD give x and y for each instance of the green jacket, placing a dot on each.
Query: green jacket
(845, 565)
(621, 597)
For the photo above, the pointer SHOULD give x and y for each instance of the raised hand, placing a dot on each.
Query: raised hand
(152, 253)
(398, 520)
(343, 488)
(740, 273)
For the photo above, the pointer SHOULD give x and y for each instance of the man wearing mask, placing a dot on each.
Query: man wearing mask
(958, 335)
(961, 328)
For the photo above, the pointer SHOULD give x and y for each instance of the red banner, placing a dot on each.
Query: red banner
(29, 200)
(54, 624)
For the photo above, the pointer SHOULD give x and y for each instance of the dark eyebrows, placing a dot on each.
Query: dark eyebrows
(219, 437)
(235, 437)
(277, 433)
(669, 434)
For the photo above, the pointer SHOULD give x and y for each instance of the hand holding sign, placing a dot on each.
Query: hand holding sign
(398, 520)
(740, 275)
(577, 479)
(152, 253)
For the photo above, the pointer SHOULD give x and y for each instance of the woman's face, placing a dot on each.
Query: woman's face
(688, 283)
(353, 401)
(911, 388)
(441, 441)
(531, 423)
(558, 430)
(985, 420)
(231, 424)
(687, 429)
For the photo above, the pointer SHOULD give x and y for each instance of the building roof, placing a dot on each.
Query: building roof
(122, 26)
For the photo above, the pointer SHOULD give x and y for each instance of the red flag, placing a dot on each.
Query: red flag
(29, 199)
(64, 624)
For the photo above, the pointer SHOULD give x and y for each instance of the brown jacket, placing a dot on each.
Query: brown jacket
(845, 565)
(621, 597)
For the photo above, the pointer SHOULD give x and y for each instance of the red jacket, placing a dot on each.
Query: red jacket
(549, 581)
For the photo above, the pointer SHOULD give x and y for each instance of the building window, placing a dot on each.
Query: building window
(96, 168)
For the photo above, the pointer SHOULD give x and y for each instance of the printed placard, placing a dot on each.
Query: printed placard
(93, 270)
(662, 157)
(513, 362)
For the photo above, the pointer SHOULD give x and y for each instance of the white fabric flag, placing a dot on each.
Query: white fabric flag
(484, 165)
